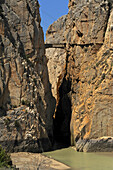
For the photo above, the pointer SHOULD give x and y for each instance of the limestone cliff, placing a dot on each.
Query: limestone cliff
(26, 102)
(82, 73)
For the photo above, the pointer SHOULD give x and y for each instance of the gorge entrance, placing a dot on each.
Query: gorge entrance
(62, 118)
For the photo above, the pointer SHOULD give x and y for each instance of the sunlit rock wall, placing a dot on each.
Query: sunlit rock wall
(84, 85)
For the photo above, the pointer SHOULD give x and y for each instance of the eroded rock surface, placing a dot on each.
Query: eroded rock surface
(30, 161)
(104, 144)
(84, 85)
(23, 79)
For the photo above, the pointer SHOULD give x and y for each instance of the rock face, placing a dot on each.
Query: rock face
(82, 83)
(80, 74)
(23, 79)
(104, 144)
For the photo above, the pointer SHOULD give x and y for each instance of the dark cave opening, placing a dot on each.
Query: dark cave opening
(61, 123)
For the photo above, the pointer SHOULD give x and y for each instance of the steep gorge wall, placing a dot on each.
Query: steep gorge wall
(80, 75)
(83, 82)
(26, 102)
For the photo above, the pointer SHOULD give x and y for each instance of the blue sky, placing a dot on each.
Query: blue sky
(51, 10)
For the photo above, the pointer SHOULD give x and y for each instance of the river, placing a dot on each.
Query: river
(83, 161)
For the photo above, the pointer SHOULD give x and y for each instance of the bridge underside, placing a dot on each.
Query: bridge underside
(63, 45)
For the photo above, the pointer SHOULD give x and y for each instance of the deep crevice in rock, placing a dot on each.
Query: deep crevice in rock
(63, 116)
(61, 122)
(107, 19)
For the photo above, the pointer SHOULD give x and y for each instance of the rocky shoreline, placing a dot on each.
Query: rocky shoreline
(35, 161)
(103, 144)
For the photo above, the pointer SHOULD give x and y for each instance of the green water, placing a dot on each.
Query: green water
(83, 161)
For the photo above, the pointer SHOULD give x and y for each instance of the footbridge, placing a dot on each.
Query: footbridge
(63, 45)
(56, 45)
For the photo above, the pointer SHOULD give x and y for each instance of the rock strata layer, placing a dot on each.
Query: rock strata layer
(82, 73)
(23, 79)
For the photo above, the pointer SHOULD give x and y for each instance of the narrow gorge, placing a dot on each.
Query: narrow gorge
(56, 97)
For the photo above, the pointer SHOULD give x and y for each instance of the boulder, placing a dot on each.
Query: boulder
(103, 144)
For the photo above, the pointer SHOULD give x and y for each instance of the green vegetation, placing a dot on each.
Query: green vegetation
(5, 160)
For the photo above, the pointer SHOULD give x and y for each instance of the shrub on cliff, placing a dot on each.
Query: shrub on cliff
(5, 160)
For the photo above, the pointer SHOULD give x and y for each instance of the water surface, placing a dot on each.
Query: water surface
(83, 161)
